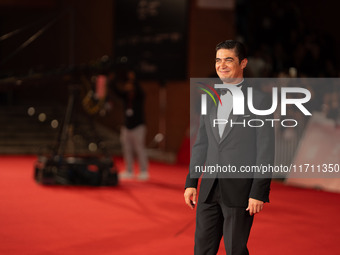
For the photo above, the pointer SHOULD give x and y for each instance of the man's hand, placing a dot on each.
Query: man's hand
(254, 206)
(188, 193)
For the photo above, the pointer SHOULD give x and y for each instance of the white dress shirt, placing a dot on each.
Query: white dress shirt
(224, 110)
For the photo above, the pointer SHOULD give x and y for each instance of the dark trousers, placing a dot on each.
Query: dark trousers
(214, 219)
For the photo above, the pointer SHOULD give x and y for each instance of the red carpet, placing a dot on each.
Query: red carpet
(147, 218)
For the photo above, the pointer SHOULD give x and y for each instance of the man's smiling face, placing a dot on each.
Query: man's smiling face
(228, 66)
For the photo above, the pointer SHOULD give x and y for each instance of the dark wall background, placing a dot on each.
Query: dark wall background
(85, 33)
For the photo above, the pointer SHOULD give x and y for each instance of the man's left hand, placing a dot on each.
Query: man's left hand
(254, 206)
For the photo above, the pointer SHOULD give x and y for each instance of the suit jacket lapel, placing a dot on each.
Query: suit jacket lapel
(213, 116)
(228, 127)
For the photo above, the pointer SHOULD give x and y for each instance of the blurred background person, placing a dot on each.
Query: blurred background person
(132, 134)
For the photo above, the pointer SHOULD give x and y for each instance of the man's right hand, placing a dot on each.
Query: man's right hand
(188, 193)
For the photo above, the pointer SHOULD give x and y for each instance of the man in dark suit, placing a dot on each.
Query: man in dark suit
(227, 202)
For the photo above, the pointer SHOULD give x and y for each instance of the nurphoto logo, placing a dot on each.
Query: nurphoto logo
(301, 97)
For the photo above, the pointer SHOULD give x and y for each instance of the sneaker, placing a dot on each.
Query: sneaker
(126, 175)
(143, 176)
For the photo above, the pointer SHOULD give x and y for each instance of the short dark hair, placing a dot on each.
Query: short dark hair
(239, 47)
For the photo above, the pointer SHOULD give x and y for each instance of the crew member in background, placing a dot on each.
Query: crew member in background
(125, 85)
